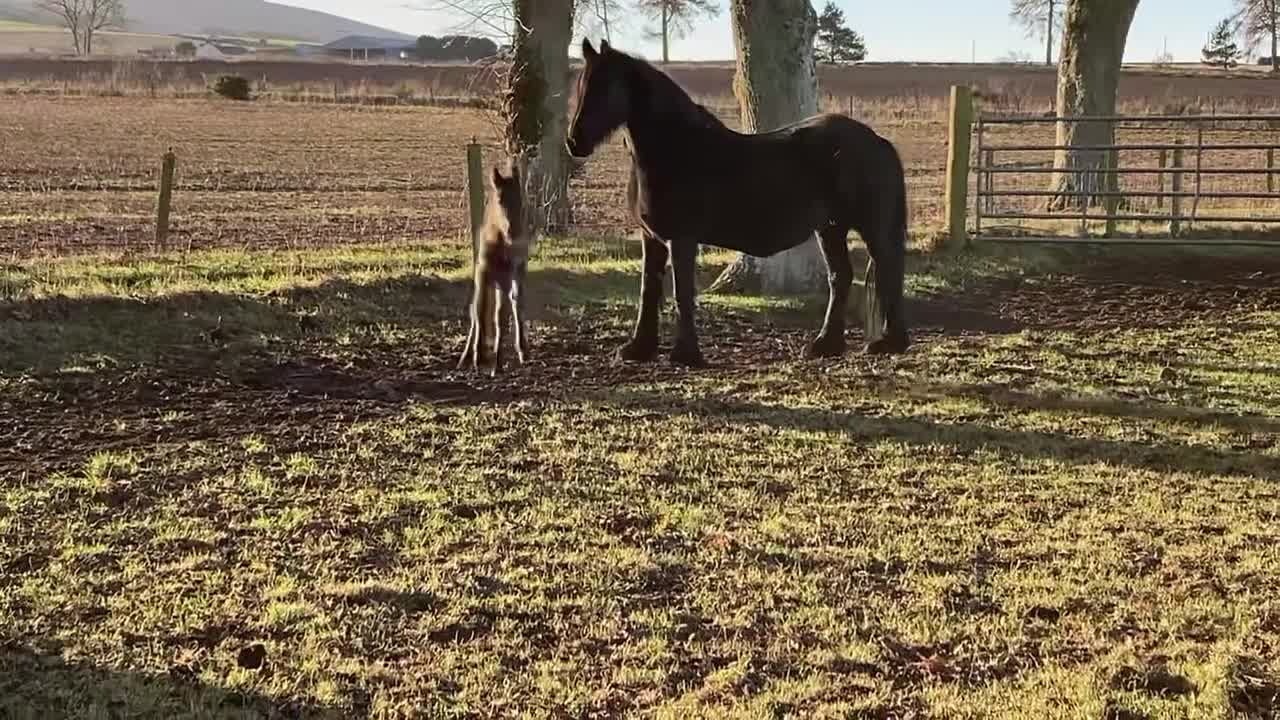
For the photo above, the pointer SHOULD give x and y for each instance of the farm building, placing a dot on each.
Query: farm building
(363, 47)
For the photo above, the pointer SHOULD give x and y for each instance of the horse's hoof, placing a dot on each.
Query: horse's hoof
(689, 357)
(889, 345)
(826, 346)
(638, 351)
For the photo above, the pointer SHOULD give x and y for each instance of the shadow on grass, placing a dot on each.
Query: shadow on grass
(971, 436)
(1108, 406)
(40, 686)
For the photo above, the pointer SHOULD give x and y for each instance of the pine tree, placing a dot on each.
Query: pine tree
(1222, 49)
(837, 42)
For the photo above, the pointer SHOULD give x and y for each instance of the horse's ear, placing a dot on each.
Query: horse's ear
(497, 179)
(604, 46)
(588, 52)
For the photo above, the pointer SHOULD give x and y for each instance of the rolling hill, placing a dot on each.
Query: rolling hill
(226, 17)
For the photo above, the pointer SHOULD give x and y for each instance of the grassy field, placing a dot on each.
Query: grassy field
(250, 484)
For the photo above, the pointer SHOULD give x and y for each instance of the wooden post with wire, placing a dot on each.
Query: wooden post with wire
(1111, 184)
(475, 192)
(1175, 198)
(959, 141)
(1164, 163)
(1271, 167)
(164, 205)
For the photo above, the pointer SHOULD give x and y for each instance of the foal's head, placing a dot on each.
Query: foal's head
(604, 100)
(505, 221)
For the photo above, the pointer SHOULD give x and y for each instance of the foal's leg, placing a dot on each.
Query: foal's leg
(474, 348)
(835, 250)
(684, 262)
(643, 345)
(517, 303)
(501, 309)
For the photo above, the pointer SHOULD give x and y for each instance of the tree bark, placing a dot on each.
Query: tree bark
(776, 83)
(1093, 45)
(1048, 42)
(666, 37)
(537, 107)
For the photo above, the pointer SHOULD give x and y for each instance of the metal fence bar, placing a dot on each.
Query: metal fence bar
(1181, 119)
(1137, 193)
(1122, 171)
(1135, 217)
(1143, 146)
(1238, 241)
(977, 195)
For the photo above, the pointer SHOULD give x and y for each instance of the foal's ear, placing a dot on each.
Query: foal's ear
(497, 179)
(588, 52)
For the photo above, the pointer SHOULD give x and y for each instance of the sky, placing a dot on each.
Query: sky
(908, 30)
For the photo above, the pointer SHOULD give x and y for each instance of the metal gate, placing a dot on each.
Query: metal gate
(1165, 179)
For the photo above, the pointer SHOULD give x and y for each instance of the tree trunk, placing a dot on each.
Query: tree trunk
(537, 107)
(1088, 76)
(666, 37)
(1048, 44)
(776, 83)
(1275, 37)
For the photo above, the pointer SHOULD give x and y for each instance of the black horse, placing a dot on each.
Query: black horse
(695, 181)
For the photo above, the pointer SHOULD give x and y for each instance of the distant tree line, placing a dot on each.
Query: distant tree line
(454, 48)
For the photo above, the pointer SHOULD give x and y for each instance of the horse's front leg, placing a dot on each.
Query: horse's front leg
(835, 250)
(520, 325)
(501, 309)
(684, 262)
(643, 345)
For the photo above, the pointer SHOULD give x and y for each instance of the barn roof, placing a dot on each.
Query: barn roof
(366, 42)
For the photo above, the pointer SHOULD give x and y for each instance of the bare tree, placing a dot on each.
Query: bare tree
(1096, 32)
(84, 18)
(1260, 21)
(535, 91)
(776, 83)
(1039, 18)
(675, 18)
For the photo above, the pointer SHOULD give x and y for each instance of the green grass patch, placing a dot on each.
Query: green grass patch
(1054, 520)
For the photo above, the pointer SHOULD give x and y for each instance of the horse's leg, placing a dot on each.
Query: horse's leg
(470, 349)
(684, 263)
(518, 305)
(888, 248)
(835, 250)
(501, 308)
(643, 345)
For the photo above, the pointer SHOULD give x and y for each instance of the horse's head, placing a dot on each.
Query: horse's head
(604, 103)
(506, 207)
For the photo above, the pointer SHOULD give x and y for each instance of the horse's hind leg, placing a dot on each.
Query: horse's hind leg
(501, 309)
(835, 250)
(473, 350)
(643, 345)
(521, 323)
(887, 246)
(684, 262)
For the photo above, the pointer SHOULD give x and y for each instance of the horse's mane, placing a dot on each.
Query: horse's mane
(666, 91)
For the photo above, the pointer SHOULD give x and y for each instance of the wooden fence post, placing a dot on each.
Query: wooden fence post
(475, 193)
(1271, 168)
(958, 145)
(1111, 185)
(1175, 186)
(166, 198)
(1164, 163)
